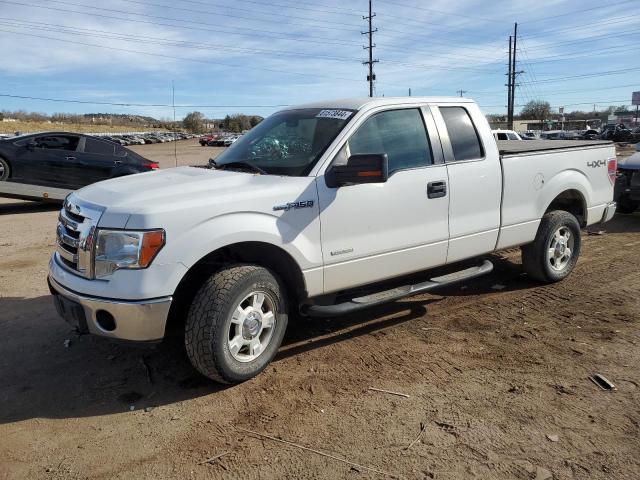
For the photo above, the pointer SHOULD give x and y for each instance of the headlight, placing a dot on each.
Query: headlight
(116, 249)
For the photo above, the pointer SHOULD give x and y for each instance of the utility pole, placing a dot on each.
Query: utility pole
(509, 117)
(371, 77)
(513, 74)
(409, 91)
(461, 92)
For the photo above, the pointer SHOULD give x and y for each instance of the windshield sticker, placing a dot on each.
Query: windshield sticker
(339, 114)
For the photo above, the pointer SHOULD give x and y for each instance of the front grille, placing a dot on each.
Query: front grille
(75, 236)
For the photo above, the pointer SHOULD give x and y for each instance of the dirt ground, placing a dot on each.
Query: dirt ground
(187, 152)
(496, 374)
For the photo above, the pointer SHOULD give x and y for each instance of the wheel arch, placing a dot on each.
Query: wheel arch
(264, 254)
(573, 201)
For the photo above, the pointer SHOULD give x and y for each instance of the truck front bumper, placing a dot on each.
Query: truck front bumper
(139, 321)
(609, 211)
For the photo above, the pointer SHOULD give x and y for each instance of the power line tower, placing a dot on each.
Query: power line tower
(461, 92)
(371, 77)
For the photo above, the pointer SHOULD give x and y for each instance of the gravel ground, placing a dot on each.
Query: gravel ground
(496, 374)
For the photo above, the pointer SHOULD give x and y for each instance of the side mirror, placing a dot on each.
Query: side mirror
(360, 168)
(31, 145)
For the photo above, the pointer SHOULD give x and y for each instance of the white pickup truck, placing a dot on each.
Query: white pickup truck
(321, 209)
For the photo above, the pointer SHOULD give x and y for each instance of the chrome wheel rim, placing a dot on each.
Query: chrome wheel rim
(252, 325)
(560, 248)
(2, 171)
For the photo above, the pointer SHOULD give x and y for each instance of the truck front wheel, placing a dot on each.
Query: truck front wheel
(555, 251)
(236, 323)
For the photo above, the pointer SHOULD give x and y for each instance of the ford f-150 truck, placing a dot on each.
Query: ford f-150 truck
(321, 209)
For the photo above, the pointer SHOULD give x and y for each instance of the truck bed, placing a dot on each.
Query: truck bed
(515, 147)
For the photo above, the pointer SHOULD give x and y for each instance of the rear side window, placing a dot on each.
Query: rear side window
(101, 147)
(462, 134)
(512, 136)
(400, 134)
(502, 136)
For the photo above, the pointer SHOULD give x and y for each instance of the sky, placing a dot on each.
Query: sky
(255, 56)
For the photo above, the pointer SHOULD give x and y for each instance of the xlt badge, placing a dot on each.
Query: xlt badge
(294, 205)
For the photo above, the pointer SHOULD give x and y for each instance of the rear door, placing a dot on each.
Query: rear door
(475, 180)
(96, 160)
(376, 231)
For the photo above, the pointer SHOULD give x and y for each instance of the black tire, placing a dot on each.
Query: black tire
(5, 170)
(534, 255)
(627, 206)
(208, 324)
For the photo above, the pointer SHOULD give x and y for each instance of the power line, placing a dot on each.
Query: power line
(574, 12)
(251, 18)
(127, 104)
(192, 25)
(431, 10)
(592, 25)
(210, 62)
(57, 28)
(588, 75)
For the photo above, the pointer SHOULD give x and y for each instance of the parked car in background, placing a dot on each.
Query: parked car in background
(66, 160)
(616, 132)
(590, 135)
(560, 135)
(205, 139)
(230, 140)
(528, 135)
(627, 191)
(505, 135)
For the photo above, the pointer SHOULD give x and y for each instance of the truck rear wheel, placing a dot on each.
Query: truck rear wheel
(236, 323)
(555, 251)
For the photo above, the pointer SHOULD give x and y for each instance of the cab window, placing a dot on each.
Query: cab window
(463, 135)
(401, 134)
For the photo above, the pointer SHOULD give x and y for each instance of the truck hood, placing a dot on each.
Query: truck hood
(145, 200)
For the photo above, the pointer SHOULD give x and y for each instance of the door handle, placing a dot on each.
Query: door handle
(71, 159)
(117, 163)
(437, 189)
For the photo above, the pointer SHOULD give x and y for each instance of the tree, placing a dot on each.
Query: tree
(537, 110)
(193, 122)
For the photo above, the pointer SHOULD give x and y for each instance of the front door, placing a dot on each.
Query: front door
(56, 154)
(372, 232)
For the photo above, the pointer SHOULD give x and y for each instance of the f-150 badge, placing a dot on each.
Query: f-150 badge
(294, 205)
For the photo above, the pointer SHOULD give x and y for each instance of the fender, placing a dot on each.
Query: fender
(232, 228)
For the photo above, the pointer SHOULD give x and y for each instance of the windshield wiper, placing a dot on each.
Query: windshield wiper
(239, 164)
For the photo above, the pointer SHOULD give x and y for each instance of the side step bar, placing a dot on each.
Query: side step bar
(378, 298)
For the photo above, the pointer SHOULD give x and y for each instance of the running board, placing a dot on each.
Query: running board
(374, 299)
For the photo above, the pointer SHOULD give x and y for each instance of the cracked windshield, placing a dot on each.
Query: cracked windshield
(289, 142)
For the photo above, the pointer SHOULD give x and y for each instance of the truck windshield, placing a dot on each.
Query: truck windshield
(288, 142)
